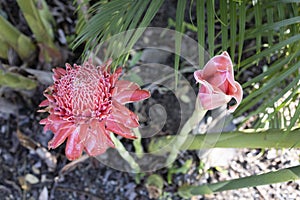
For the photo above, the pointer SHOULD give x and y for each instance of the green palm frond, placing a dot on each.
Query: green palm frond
(109, 18)
(261, 36)
(178, 37)
(276, 32)
(200, 12)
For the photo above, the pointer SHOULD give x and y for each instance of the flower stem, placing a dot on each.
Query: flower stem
(137, 143)
(182, 139)
(125, 154)
(273, 138)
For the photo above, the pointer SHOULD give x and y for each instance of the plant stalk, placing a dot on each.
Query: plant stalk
(273, 138)
(125, 154)
(183, 138)
(283, 175)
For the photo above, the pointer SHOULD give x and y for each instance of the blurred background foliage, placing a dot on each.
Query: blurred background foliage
(15, 45)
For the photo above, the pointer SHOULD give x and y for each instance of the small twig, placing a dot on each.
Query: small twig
(70, 166)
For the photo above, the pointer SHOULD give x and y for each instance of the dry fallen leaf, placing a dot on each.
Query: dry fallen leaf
(48, 158)
(23, 183)
(70, 166)
(26, 141)
(44, 154)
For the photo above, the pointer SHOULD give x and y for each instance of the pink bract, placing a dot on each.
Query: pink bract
(86, 103)
(218, 86)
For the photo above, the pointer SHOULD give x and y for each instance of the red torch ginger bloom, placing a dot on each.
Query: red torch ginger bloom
(218, 86)
(86, 103)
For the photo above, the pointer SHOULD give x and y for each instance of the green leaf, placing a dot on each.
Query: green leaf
(41, 27)
(183, 169)
(4, 49)
(264, 91)
(15, 39)
(258, 21)
(249, 138)
(16, 81)
(242, 24)
(211, 26)
(178, 35)
(224, 24)
(125, 154)
(200, 9)
(233, 25)
(248, 62)
(283, 175)
(109, 20)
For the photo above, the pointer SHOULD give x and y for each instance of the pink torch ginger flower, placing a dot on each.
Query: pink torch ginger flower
(86, 103)
(218, 86)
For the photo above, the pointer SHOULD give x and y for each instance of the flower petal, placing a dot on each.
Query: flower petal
(210, 99)
(44, 121)
(60, 136)
(58, 72)
(54, 123)
(198, 75)
(217, 80)
(114, 77)
(237, 95)
(119, 129)
(123, 115)
(218, 86)
(44, 103)
(216, 70)
(97, 140)
(122, 85)
(74, 146)
(128, 96)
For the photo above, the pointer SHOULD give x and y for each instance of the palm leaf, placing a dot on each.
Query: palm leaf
(200, 8)
(178, 36)
(277, 45)
(110, 18)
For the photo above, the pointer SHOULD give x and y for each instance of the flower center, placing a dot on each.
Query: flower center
(91, 94)
(83, 93)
